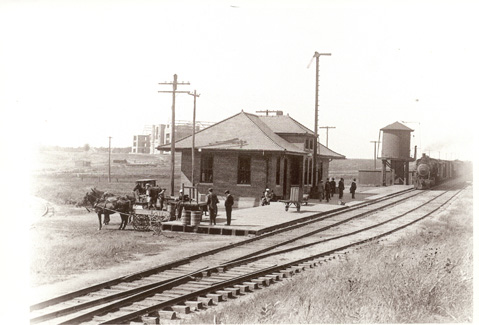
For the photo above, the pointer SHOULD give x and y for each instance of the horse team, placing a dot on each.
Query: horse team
(105, 204)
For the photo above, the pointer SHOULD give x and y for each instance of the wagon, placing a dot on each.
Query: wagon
(296, 198)
(144, 219)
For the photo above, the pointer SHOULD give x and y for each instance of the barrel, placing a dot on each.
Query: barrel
(172, 210)
(186, 217)
(196, 218)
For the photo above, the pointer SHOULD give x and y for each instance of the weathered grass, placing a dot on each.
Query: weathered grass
(423, 277)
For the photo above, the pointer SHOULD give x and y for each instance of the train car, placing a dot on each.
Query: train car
(430, 171)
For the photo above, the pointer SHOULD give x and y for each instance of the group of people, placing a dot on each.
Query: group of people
(212, 204)
(328, 189)
(156, 195)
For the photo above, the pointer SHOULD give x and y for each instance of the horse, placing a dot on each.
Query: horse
(106, 203)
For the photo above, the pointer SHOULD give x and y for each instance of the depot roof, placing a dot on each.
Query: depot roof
(249, 132)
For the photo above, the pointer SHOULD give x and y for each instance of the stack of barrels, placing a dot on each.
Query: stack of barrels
(186, 217)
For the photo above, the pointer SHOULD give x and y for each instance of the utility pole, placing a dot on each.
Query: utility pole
(109, 159)
(378, 142)
(316, 112)
(327, 132)
(175, 84)
(193, 138)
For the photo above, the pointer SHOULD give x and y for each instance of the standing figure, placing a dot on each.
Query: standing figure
(229, 206)
(341, 188)
(181, 200)
(152, 196)
(321, 190)
(212, 202)
(352, 189)
(333, 187)
(161, 197)
(327, 189)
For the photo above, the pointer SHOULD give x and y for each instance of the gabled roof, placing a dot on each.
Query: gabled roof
(242, 131)
(285, 124)
(325, 152)
(396, 126)
(248, 132)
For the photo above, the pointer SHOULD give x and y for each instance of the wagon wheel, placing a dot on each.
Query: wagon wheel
(155, 224)
(141, 222)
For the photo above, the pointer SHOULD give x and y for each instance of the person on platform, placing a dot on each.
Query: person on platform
(211, 202)
(321, 190)
(267, 196)
(333, 187)
(352, 189)
(229, 201)
(327, 189)
(181, 200)
(341, 188)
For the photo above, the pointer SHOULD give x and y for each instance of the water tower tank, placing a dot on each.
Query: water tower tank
(396, 142)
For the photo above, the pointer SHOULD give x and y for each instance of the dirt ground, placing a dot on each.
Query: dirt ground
(153, 250)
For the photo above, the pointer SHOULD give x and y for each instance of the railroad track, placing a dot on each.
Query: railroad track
(196, 282)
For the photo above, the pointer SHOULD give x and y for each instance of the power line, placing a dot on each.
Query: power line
(175, 84)
(327, 132)
(193, 138)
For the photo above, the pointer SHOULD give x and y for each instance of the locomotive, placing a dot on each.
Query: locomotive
(430, 171)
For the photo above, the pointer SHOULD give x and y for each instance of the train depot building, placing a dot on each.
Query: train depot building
(247, 153)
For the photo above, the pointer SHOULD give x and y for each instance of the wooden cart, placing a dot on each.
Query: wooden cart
(296, 198)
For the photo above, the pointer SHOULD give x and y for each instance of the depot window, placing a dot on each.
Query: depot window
(206, 175)
(244, 170)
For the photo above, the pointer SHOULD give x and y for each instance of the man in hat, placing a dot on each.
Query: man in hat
(353, 187)
(211, 202)
(228, 206)
(181, 200)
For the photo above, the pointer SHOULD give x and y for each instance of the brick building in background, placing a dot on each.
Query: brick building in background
(247, 153)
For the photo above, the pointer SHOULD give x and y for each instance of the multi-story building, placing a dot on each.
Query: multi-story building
(141, 143)
(157, 135)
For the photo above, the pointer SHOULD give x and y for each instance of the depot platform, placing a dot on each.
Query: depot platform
(261, 219)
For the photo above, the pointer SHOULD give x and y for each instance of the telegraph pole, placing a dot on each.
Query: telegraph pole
(378, 142)
(175, 83)
(316, 104)
(327, 132)
(193, 138)
(109, 159)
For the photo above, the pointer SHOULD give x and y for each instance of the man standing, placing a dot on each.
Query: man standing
(228, 206)
(181, 199)
(333, 187)
(321, 190)
(161, 196)
(352, 189)
(341, 188)
(211, 202)
(152, 194)
(327, 189)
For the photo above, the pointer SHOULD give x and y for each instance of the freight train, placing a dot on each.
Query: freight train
(430, 172)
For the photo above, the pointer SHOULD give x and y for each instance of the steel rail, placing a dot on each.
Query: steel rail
(154, 288)
(135, 314)
(318, 217)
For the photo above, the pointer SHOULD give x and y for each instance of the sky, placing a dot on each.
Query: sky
(77, 72)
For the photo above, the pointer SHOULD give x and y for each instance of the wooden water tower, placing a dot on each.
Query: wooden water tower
(395, 154)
